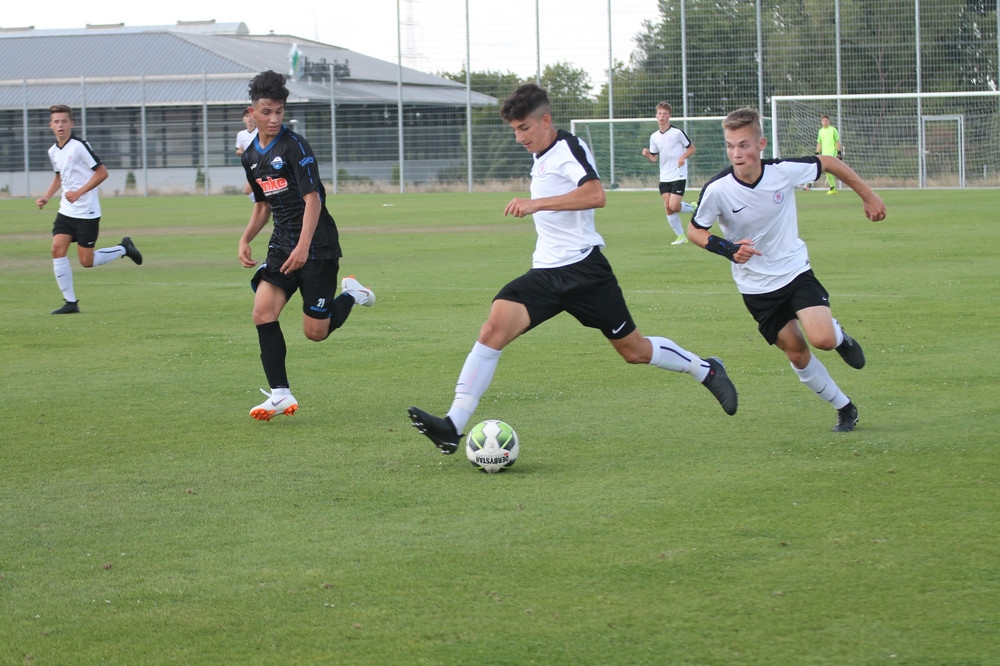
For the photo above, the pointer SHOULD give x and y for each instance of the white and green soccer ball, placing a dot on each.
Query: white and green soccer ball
(492, 446)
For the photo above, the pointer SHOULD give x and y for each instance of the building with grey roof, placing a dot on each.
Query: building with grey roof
(165, 103)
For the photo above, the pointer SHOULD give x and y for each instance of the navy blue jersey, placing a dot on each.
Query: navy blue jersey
(281, 174)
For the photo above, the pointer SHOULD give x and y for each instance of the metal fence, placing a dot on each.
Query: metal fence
(706, 57)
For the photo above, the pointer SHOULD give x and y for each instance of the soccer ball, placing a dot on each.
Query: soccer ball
(492, 446)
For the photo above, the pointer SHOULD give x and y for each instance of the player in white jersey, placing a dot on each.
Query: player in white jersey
(78, 172)
(569, 274)
(670, 147)
(244, 138)
(754, 201)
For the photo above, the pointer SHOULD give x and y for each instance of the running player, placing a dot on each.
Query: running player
(79, 171)
(754, 201)
(670, 147)
(569, 274)
(304, 251)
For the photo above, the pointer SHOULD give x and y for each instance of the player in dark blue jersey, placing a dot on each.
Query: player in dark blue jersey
(304, 251)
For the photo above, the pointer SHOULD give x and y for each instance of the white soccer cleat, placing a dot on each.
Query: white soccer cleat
(362, 294)
(680, 240)
(279, 401)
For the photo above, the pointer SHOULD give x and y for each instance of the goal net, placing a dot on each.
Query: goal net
(618, 143)
(900, 140)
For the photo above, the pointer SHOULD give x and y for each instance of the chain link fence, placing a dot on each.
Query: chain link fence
(706, 57)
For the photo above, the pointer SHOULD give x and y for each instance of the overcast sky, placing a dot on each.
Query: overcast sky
(433, 31)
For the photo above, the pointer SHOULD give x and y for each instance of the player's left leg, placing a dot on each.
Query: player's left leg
(269, 300)
(672, 204)
(668, 355)
(824, 332)
(507, 320)
(63, 271)
(814, 374)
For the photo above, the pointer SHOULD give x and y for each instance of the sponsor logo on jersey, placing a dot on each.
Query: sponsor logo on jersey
(308, 159)
(277, 162)
(272, 185)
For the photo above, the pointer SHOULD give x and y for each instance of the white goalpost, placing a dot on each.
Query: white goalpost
(899, 140)
(905, 140)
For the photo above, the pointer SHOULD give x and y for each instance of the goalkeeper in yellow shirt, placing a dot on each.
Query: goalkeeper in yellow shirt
(828, 143)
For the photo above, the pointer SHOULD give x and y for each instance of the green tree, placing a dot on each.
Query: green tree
(569, 92)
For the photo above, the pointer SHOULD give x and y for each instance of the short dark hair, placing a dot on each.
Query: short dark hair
(61, 108)
(528, 99)
(268, 85)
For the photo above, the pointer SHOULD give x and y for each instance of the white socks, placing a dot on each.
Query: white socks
(475, 378)
(64, 271)
(104, 255)
(686, 207)
(839, 332)
(64, 278)
(667, 355)
(816, 377)
(675, 223)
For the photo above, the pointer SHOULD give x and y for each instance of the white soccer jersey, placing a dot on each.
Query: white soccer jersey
(244, 138)
(670, 145)
(565, 236)
(75, 163)
(765, 213)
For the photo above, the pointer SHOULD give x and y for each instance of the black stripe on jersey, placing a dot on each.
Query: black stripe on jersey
(686, 137)
(577, 151)
(806, 159)
(85, 144)
(701, 195)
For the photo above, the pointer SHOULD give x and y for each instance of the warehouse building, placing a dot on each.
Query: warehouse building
(162, 106)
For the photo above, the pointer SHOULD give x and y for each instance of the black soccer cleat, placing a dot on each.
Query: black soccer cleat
(851, 351)
(847, 418)
(439, 430)
(131, 251)
(719, 384)
(69, 307)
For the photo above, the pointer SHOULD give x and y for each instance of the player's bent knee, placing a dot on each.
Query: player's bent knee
(825, 343)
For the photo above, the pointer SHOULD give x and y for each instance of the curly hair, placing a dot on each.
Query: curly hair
(268, 85)
(528, 99)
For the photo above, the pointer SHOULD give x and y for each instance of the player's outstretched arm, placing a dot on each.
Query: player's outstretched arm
(874, 207)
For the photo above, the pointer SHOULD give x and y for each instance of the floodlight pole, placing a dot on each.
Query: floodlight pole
(145, 154)
(24, 119)
(399, 94)
(611, 99)
(468, 100)
(204, 124)
(333, 124)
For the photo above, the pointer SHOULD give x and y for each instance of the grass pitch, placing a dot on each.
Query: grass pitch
(146, 519)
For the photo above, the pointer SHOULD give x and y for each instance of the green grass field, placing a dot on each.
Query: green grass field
(146, 519)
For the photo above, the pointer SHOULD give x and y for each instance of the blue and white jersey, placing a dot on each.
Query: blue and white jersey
(75, 163)
(765, 213)
(282, 173)
(564, 236)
